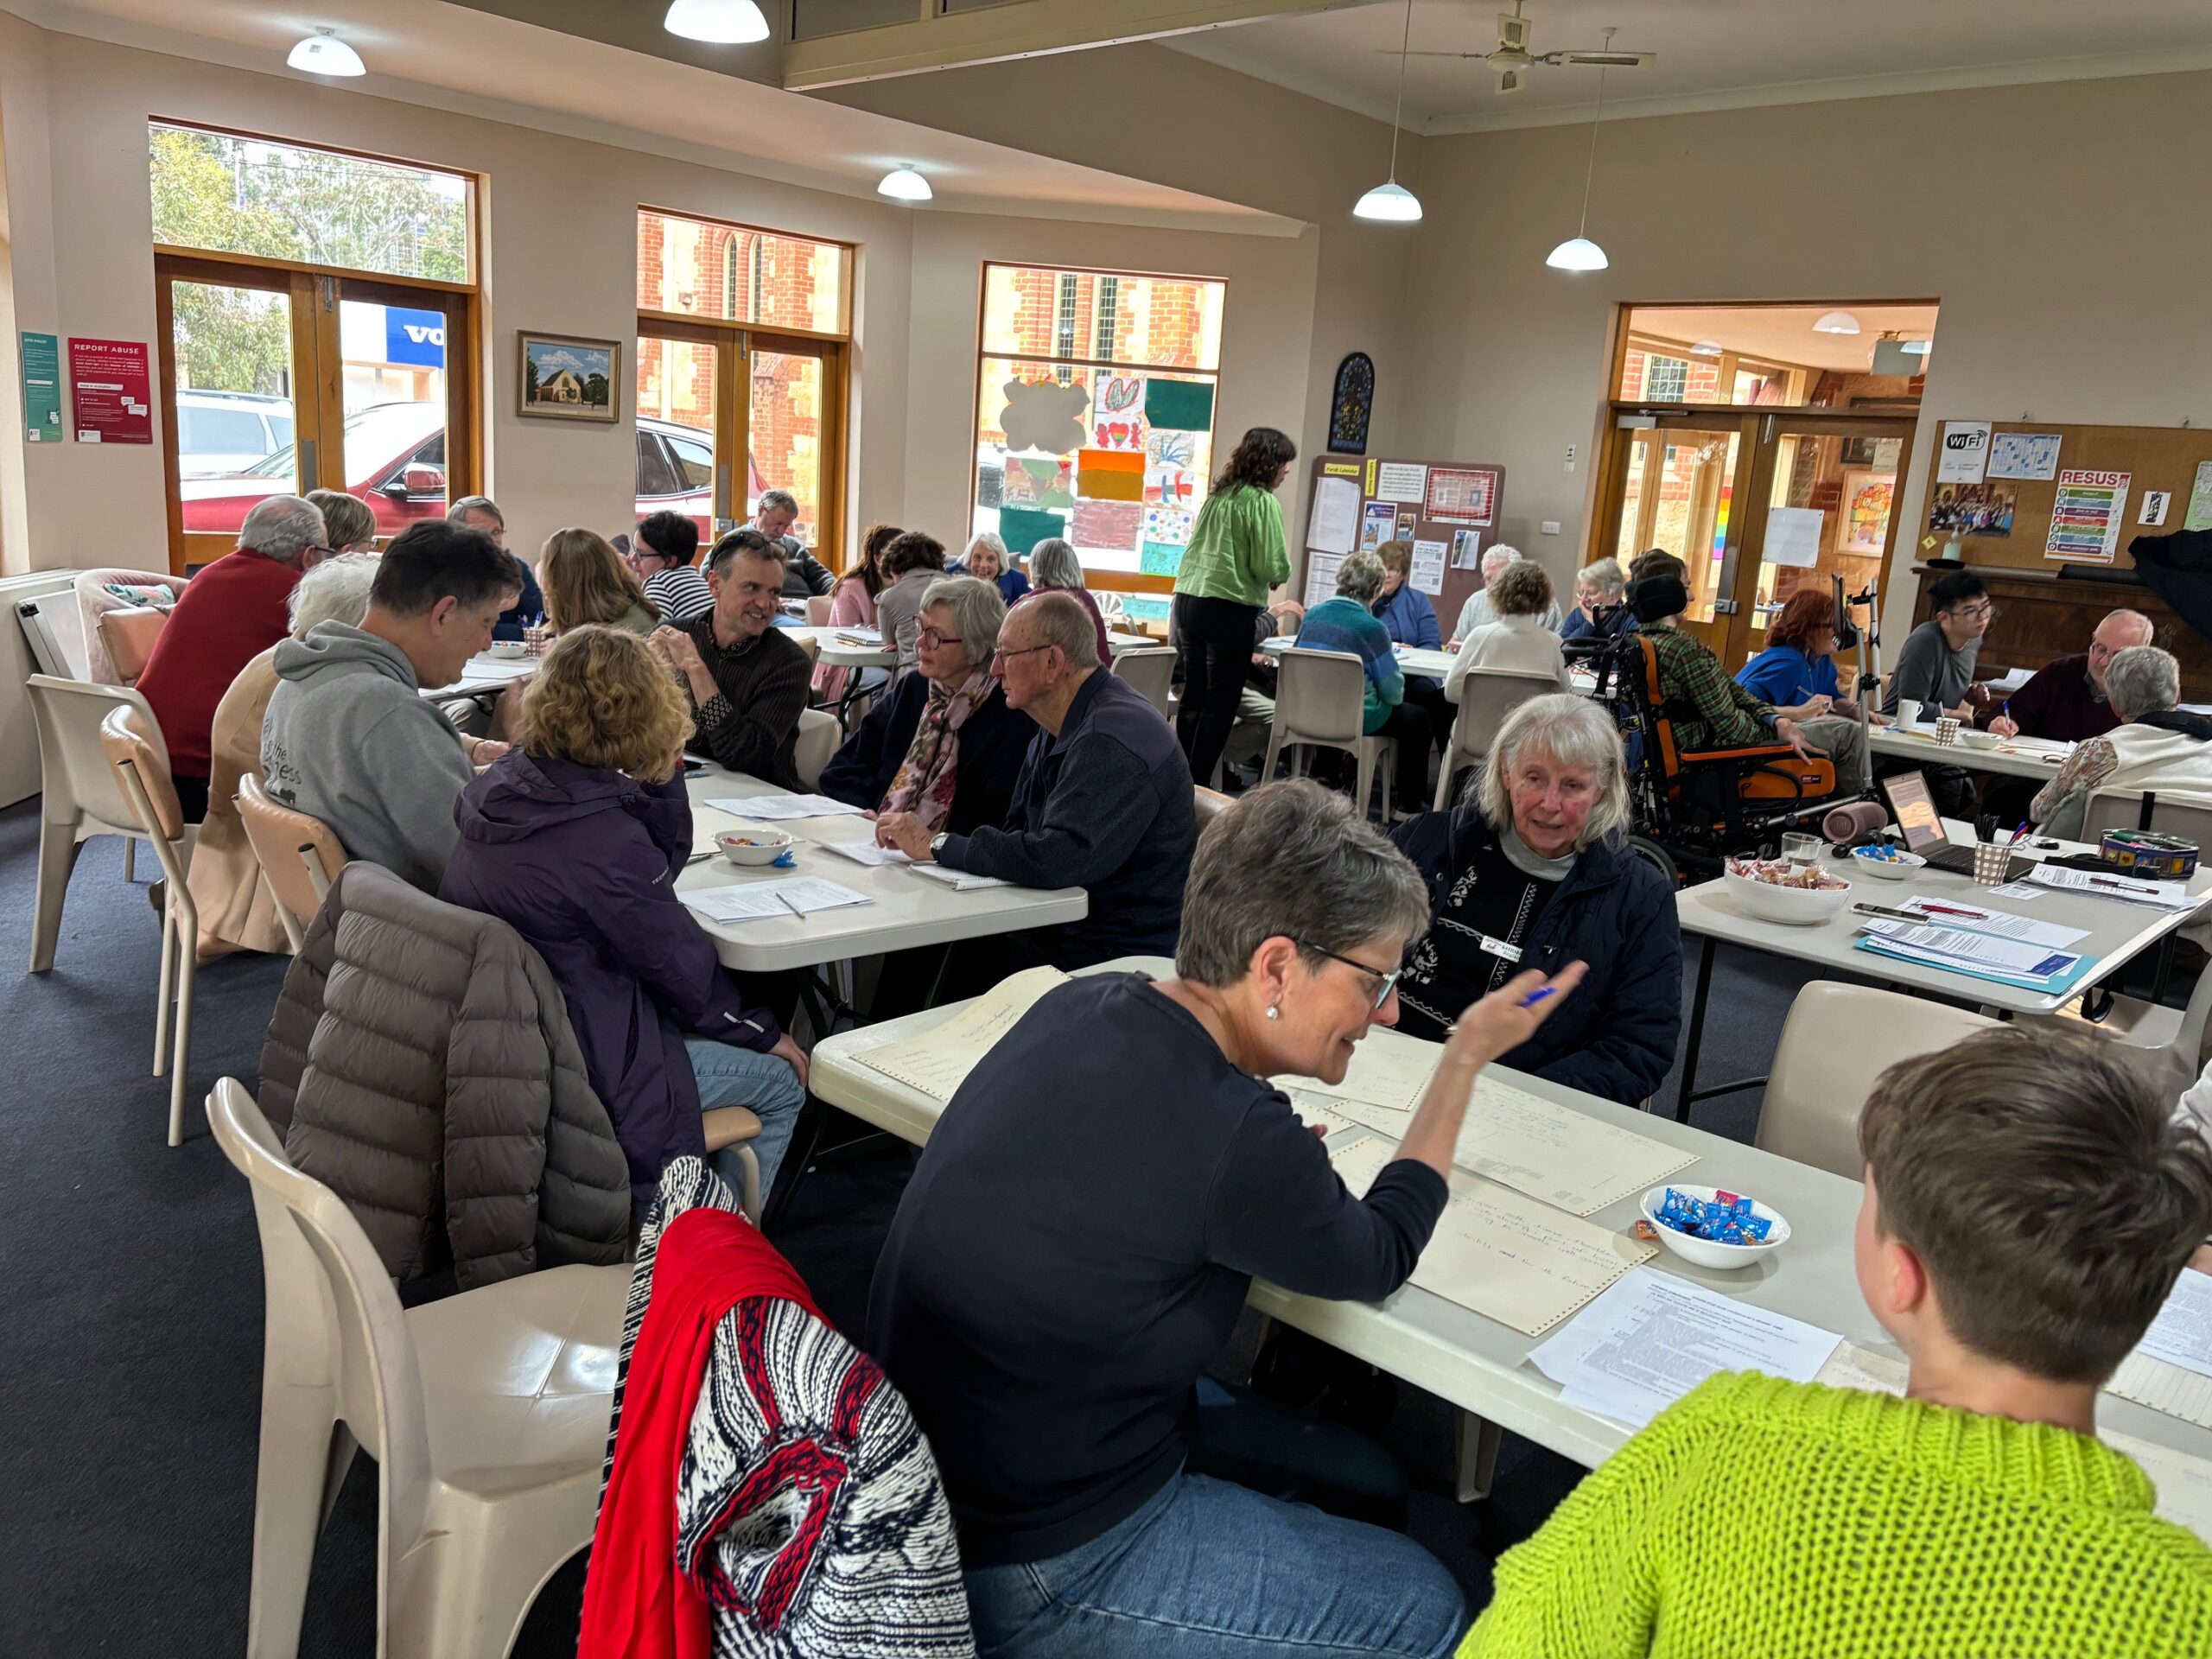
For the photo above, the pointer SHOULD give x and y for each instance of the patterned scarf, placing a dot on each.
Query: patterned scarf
(926, 777)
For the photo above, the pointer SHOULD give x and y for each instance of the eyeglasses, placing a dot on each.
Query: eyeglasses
(1984, 612)
(930, 637)
(1386, 983)
(1001, 654)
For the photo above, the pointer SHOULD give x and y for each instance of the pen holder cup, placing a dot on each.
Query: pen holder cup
(1947, 730)
(1990, 860)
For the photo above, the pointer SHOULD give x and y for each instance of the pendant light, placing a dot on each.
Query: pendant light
(718, 22)
(1578, 252)
(1836, 322)
(1391, 200)
(903, 183)
(323, 53)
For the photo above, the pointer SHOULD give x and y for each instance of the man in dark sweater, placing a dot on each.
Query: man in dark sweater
(748, 682)
(2065, 700)
(1100, 803)
(804, 575)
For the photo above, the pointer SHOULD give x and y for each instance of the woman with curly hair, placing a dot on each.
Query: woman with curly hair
(573, 838)
(1237, 554)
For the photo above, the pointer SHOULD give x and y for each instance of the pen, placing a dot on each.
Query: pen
(784, 898)
(1889, 914)
(2017, 833)
(1948, 910)
(2123, 887)
(1535, 997)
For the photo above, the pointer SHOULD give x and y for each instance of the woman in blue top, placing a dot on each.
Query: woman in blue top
(1347, 623)
(1405, 611)
(1796, 672)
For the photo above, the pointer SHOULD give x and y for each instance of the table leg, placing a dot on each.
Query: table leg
(1684, 1094)
(1475, 1441)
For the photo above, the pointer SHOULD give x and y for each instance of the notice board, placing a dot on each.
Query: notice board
(1450, 511)
(2038, 495)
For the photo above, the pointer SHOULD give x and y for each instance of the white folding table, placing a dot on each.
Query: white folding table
(1413, 660)
(2018, 757)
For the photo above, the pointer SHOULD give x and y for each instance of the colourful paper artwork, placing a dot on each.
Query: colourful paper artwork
(1046, 483)
(1109, 475)
(1117, 412)
(1044, 415)
(1168, 524)
(1106, 525)
(1162, 558)
(1022, 527)
(1179, 406)
(1169, 448)
(1170, 486)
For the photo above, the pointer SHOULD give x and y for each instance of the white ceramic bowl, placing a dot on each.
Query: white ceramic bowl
(1791, 906)
(1975, 740)
(1897, 866)
(754, 847)
(507, 650)
(1706, 1252)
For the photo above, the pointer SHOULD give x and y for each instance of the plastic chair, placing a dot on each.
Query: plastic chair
(486, 1413)
(819, 733)
(1208, 804)
(1150, 669)
(1321, 700)
(128, 636)
(810, 645)
(817, 611)
(132, 744)
(54, 628)
(299, 855)
(1487, 696)
(81, 796)
(737, 1126)
(1837, 1040)
(2173, 812)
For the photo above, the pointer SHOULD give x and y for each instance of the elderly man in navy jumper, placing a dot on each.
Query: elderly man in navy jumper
(1103, 801)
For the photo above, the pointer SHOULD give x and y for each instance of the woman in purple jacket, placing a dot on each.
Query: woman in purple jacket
(573, 838)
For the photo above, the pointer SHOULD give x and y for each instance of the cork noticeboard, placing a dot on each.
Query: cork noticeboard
(2157, 460)
(1458, 505)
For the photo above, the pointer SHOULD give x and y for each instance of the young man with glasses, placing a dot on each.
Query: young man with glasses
(1935, 669)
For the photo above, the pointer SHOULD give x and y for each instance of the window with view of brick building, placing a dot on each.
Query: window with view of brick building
(1093, 398)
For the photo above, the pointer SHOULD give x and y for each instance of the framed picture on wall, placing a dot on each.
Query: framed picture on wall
(561, 377)
(1867, 500)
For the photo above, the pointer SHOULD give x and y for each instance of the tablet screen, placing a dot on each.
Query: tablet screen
(1918, 821)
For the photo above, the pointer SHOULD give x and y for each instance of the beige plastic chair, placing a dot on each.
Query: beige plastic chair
(1837, 1040)
(1487, 696)
(132, 744)
(810, 645)
(80, 796)
(1321, 700)
(486, 1413)
(1150, 669)
(737, 1126)
(2173, 812)
(129, 636)
(53, 629)
(1208, 804)
(817, 611)
(819, 733)
(299, 855)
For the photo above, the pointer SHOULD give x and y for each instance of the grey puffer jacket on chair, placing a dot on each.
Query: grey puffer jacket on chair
(421, 1065)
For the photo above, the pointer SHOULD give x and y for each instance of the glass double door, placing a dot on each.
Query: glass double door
(279, 380)
(1757, 505)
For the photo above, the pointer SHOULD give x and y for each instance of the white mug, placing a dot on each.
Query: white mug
(1908, 712)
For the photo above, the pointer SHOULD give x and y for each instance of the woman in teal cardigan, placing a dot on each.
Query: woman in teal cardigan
(1237, 554)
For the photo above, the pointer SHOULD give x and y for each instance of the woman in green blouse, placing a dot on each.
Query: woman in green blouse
(1237, 554)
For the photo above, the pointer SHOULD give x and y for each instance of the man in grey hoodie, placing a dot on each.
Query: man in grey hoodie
(351, 739)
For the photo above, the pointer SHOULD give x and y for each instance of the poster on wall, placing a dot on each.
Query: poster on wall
(2086, 516)
(1379, 525)
(42, 388)
(1117, 411)
(1321, 577)
(1867, 502)
(1461, 495)
(1399, 480)
(1962, 452)
(2199, 516)
(1971, 509)
(1466, 550)
(112, 383)
(2152, 512)
(2025, 454)
(1334, 521)
(1428, 574)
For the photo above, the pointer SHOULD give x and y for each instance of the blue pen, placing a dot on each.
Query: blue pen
(1537, 996)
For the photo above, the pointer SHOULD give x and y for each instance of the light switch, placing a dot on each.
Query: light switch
(1550, 526)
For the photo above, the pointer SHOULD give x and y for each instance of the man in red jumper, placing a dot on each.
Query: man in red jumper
(229, 613)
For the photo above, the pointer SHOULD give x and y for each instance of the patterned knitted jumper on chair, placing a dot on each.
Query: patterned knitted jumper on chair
(1797, 1521)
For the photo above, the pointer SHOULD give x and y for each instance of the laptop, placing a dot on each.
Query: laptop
(1920, 826)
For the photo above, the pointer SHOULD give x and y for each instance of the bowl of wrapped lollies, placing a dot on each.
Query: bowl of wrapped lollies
(1772, 890)
(1713, 1227)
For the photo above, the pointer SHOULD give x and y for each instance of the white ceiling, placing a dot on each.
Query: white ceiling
(471, 61)
(1713, 53)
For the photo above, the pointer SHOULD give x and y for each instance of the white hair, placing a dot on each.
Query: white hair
(1496, 558)
(337, 590)
(282, 528)
(990, 539)
(1053, 564)
(1604, 575)
(978, 609)
(1573, 732)
(2142, 680)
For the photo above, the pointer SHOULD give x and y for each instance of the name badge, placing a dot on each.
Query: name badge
(1508, 951)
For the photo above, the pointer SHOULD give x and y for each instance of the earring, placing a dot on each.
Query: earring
(1275, 1010)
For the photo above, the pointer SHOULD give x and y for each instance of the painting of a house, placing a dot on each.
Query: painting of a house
(568, 379)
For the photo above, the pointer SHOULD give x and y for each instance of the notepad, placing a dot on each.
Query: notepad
(797, 895)
(865, 852)
(2170, 1388)
(1387, 1069)
(774, 809)
(1566, 1158)
(1501, 1254)
(938, 1061)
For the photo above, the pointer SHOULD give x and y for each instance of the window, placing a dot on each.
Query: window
(1094, 395)
(1666, 380)
(697, 268)
(695, 460)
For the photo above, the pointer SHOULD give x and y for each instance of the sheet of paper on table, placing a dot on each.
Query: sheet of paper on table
(1853, 1367)
(2154, 895)
(2170, 1388)
(1552, 1152)
(706, 822)
(1651, 1338)
(1981, 949)
(2181, 1334)
(797, 895)
(865, 852)
(1387, 1069)
(1951, 912)
(1499, 1254)
(1315, 1109)
(959, 881)
(773, 808)
(937, 1062)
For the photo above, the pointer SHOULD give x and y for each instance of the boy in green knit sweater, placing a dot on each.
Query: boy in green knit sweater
(2028, 1205)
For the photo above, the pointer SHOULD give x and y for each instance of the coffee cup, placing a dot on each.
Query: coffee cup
(1908, 712)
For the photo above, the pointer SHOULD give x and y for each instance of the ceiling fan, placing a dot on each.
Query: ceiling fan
(1513, 59)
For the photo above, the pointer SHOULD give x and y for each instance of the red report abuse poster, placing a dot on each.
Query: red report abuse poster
(112, 381)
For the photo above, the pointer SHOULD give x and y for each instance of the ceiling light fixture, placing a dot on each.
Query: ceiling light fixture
(323, 53)
(902, 183)
(1578, 252)
(718, 22)
(1836, 322)
(1390, 201)
(1705, 348)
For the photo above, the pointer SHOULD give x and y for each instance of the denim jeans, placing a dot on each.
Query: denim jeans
(729, 1075)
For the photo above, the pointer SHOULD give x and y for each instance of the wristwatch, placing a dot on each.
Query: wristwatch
(937, 841)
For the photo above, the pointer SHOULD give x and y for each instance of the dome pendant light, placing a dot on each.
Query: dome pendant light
(1836, 322)
(1578, 252)
(323, 53)
(903, 183)
(1391, 200)
(717, 23)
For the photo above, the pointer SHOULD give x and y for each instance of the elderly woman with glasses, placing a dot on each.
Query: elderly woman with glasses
(1076, 1246)
(1532, 870)
(943, 746)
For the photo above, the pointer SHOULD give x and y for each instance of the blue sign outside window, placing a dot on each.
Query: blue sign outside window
(417, 338)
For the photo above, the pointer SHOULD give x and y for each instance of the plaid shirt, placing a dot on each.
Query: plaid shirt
(1710, 710)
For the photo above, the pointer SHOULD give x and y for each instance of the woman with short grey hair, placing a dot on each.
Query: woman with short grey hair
(1054, 568)
(2157, 748)
(943, 744)
(1347, 624)
(1533, 869)
(1107, 1184)
(1598, 586)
